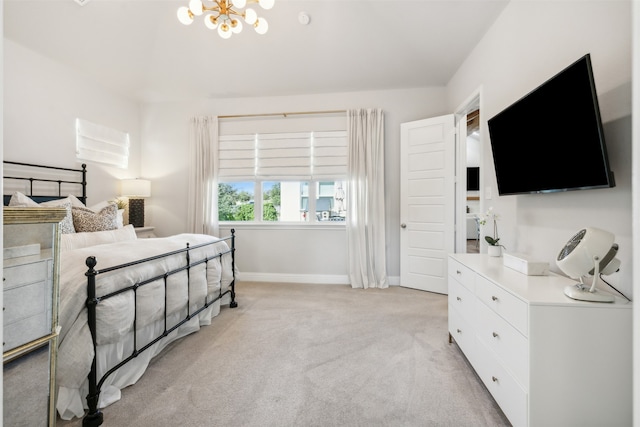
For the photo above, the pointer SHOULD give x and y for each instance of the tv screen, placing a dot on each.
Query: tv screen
(473, 179)
(552, 139)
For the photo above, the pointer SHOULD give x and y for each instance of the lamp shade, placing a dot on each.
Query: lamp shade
(135, 188)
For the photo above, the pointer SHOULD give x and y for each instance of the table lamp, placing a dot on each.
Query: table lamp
(136, 190)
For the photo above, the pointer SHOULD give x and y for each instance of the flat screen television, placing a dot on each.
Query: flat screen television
(473, 178)
(552, 139)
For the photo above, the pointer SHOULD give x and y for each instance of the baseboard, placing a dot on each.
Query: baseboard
(327, 279)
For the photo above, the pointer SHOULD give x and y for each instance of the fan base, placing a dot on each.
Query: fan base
(578, 292)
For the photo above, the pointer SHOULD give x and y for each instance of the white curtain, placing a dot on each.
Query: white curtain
(365, 201)
(202, 201)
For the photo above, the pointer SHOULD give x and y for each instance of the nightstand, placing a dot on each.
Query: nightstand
(144, 232)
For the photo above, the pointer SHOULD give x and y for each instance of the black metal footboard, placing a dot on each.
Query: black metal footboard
(95, 417)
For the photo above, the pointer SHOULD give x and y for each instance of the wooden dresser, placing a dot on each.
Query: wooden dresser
(548, 360)
(30, 312)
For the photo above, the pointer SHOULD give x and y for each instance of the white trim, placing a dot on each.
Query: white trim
(326, 279)
(293, 278)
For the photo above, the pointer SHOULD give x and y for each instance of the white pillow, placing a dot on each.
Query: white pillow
(71, 200)
(20, 200)
(86, 239)
(66, 225)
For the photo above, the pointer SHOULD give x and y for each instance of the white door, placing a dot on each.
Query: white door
(427, 198)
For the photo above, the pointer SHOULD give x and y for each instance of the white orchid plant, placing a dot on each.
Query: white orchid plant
(491, 216)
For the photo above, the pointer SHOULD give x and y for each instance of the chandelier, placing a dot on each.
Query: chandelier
(224, 15)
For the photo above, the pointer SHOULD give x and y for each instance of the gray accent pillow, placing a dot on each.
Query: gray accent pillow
(85, 219)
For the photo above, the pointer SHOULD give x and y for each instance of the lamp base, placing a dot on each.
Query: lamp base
(136, 212)
(579, 292)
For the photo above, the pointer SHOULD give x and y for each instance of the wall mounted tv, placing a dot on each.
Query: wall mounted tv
(552, 139)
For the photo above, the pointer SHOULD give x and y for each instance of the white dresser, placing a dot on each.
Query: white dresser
(547, 360)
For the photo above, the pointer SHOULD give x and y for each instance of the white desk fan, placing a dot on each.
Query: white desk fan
(590, 252)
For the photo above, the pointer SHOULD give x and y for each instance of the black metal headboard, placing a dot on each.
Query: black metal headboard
(46, 178)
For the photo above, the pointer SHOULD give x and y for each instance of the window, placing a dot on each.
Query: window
(283, 177)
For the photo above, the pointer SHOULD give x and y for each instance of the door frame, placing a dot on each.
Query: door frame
(473, 102)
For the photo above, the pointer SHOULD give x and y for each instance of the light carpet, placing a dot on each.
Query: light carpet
(313, 355)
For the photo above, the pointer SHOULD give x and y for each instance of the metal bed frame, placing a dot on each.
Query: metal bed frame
(94, 417)
(40, 199)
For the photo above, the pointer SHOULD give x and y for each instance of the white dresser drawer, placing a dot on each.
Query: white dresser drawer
(509, 345)
(513, 310)
(511, 397)
(463, 274)
(463, 300)
(462, 333)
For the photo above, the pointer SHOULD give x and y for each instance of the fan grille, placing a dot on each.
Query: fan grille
(571, 244)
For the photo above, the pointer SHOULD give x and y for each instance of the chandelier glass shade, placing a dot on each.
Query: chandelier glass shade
(226, 16)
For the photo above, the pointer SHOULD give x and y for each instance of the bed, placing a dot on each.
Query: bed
(122, 299)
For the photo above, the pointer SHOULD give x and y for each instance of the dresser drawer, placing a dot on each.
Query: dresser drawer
(462, 333)
(510, 396)
(463, 274)
(509, 345)
(513, 310)
(25, 301)
(25, 273)
(463, 300)
(24, 331)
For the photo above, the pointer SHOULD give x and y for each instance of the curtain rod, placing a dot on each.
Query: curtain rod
(297, 113)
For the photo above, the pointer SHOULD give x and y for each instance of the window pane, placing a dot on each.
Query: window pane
(331, 201)
(271, 201)
(235, 201)
(285, 201)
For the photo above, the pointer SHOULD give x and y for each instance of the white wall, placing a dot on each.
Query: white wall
(529, 43)
(42, 100)
(301, 255)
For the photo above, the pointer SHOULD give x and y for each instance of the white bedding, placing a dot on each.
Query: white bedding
(115, 315)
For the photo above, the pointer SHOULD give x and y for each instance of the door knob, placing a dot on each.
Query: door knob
(403, 225)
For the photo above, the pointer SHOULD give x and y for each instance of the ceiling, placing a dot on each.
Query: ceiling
(139, 49)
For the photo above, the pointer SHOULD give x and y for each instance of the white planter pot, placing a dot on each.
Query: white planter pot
(494, 250)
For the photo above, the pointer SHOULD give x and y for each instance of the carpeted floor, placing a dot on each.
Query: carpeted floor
(313, 355)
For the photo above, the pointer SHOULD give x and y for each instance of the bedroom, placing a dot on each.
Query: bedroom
(507, 62)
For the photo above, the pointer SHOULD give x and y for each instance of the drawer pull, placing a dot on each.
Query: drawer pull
(459, 331)
(494, 379)
(495, 335)
(459, 299)
(458, 272)
(494, 298)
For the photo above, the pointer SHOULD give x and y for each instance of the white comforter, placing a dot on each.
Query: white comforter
(115, 315)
